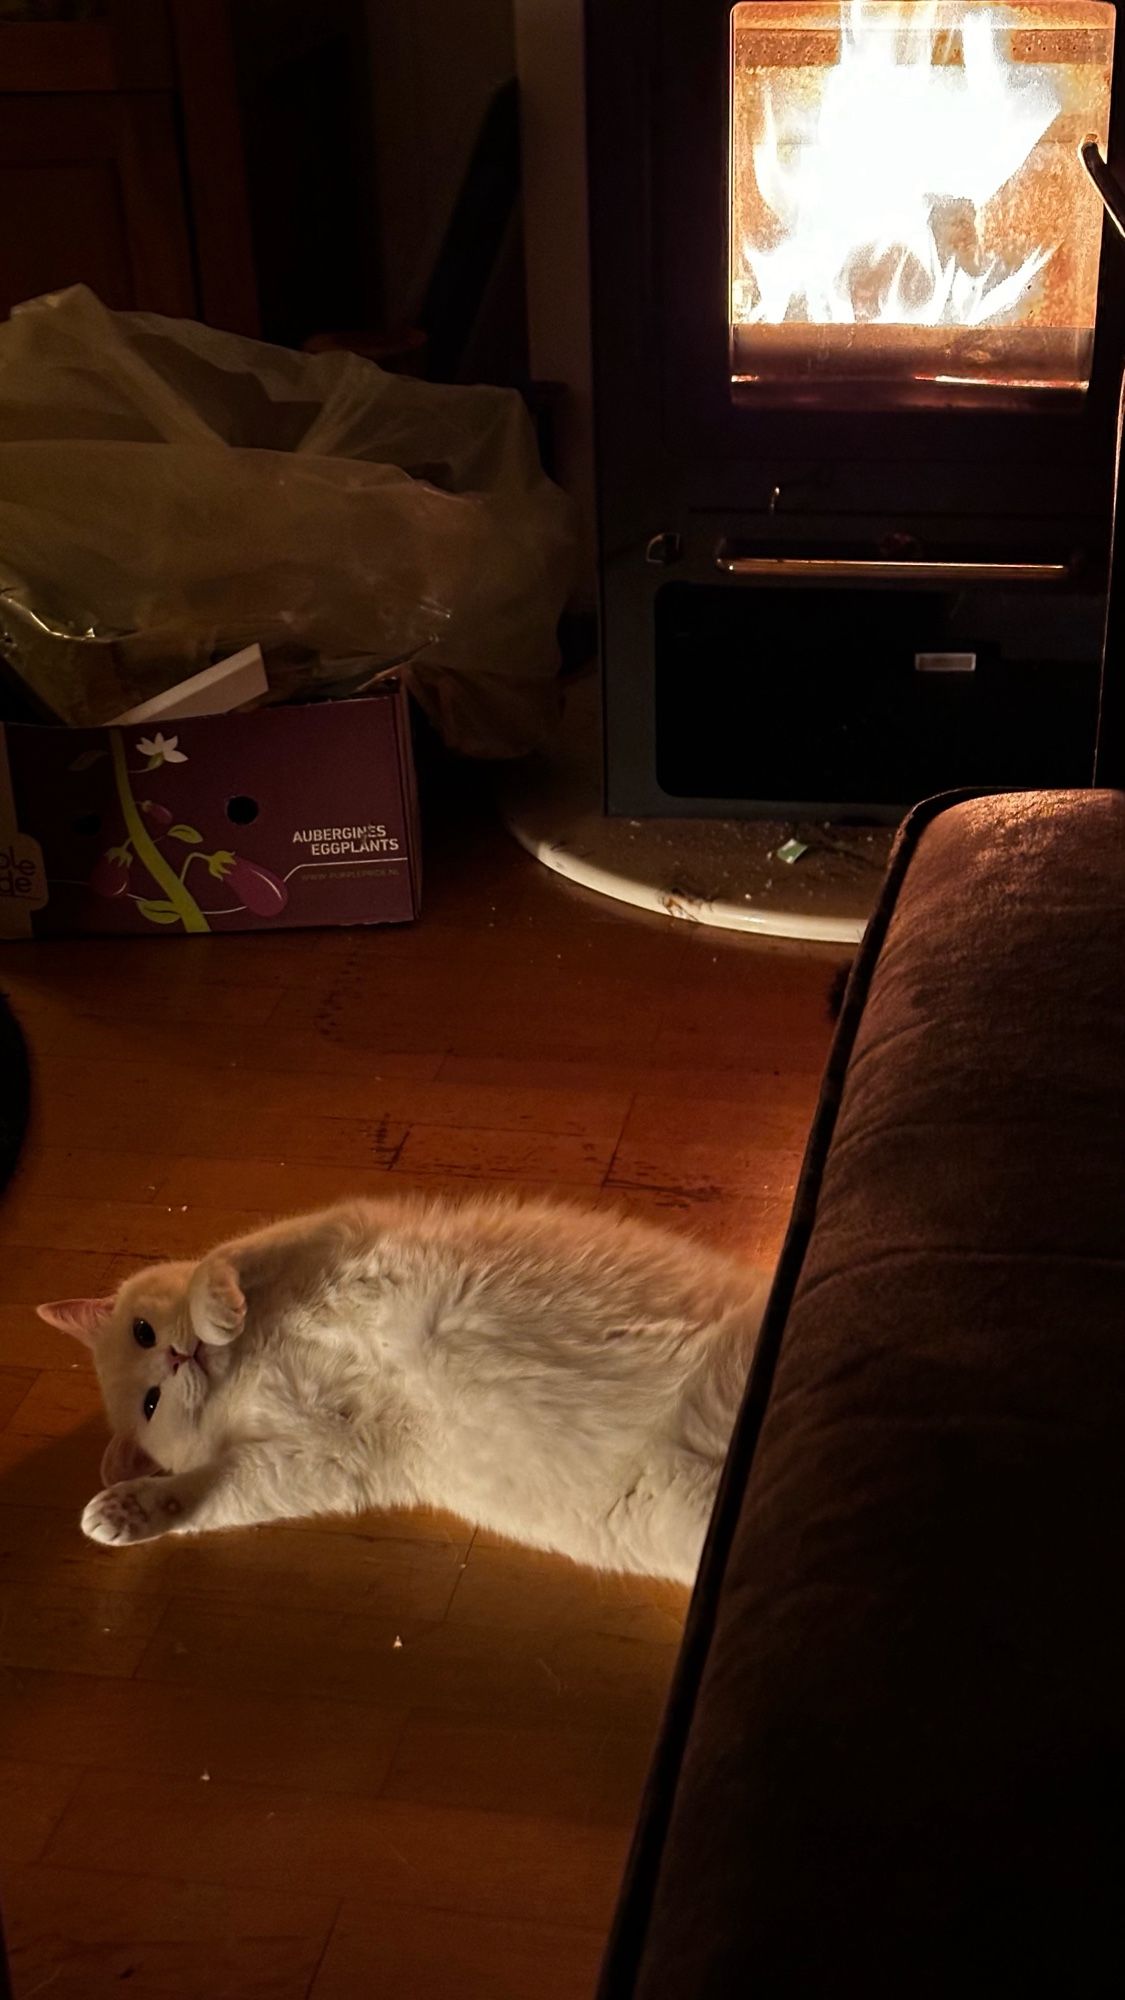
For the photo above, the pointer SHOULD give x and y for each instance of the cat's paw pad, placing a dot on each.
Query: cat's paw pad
(216, 1302)
(131, 1512)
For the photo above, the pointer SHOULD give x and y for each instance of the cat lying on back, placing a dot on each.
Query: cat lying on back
(564, 1378)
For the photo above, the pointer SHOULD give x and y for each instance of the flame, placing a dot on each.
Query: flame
(878, 190)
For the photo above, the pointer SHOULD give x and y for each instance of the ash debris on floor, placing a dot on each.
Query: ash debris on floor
(717, 859)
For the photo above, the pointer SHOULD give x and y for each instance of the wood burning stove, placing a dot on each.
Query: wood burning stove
(857, 343)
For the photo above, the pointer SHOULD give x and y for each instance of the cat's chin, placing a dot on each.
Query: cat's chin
(193, 1384)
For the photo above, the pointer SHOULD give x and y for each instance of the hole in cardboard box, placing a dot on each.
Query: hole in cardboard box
(242, 811)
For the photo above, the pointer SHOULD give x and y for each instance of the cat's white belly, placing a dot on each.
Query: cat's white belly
(643, 1509)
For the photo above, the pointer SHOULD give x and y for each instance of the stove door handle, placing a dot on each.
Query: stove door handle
(1107, 183)
(888, 569)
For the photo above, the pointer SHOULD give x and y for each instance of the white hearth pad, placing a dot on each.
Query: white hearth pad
(721, 872)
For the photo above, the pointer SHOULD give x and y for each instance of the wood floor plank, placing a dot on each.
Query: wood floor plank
(61, 1400)
(780, 1104)
(222, 1131)
(76, 1631)
(51, 1472)
(122, 999)
(213, 1046)
(108, 1120)
(254, 959)
(15, 1384)
(464, 1152)
(576, 1113)
(547, 1593)
(26, 1344)
(458, 1668)
(749, 1073)
(745, 1226)
(418, 1857)
(393, 1567)
(87, 1933)
(40, 1544)
(690, 1043)
(293, 1096)
(250, 1186)
(706, 1172)
(31, 1272)
(375, 1951)
(352, 1571)
(519, 1767)
(236, 1735)
(114, 1174)
(145, 1231)
(33, 1797)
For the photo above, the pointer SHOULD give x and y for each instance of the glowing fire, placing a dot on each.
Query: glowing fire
(877, 189)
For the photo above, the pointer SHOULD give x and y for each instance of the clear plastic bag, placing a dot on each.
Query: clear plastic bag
(168, 492)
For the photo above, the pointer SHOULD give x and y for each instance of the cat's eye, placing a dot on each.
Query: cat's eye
(143, 1333)
(151, 1400)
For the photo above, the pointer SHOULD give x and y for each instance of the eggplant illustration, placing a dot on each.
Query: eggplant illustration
(263, 894)
(109, 875)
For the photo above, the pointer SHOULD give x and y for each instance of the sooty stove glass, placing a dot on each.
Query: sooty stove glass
(910, 221)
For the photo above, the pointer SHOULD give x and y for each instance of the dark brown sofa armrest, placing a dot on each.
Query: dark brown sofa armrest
(893, 1757)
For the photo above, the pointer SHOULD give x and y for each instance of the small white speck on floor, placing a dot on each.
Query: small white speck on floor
(397, 1647)
(205, 1777)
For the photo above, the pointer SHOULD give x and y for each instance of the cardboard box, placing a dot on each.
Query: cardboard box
(273, 819)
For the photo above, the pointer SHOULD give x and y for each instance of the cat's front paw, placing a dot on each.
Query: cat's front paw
(216, 1302)
(133, 1511)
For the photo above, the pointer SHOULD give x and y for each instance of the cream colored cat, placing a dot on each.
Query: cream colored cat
(565, 1378)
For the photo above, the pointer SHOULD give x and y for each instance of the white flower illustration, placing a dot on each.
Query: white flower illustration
(160, 750)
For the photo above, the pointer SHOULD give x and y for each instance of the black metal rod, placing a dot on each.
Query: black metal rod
(1107, 184)
(1109, 745)
(1109, 752)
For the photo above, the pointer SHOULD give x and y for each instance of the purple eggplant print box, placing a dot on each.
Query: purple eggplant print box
(277, 818)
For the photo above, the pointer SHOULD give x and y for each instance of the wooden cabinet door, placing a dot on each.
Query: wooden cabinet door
(91, 192)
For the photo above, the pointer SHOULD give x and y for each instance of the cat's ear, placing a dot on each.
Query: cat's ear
(123, 1459)
(84, 1318)
(216, 1302)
